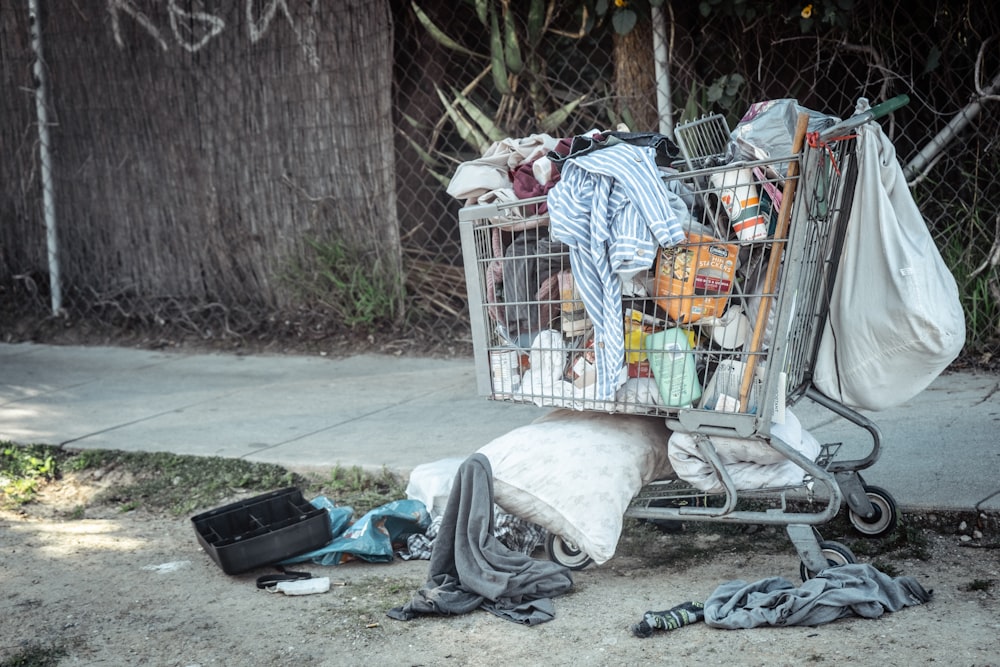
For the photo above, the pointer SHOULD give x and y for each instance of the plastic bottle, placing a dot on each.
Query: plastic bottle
(635, 334)
(672, 362)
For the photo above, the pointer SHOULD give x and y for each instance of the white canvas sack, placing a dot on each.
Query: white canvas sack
(895, 317)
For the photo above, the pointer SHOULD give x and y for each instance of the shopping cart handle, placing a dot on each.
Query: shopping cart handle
(887, 107)
(857, 120)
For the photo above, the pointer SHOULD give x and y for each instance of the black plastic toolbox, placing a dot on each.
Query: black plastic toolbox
(262, 530)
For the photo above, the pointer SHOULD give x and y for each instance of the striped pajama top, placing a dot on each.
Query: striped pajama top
(613, 210)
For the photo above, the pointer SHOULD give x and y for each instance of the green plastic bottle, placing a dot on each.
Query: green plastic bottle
(672, 363)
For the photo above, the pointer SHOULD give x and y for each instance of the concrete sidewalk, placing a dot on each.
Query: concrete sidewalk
(940, 450)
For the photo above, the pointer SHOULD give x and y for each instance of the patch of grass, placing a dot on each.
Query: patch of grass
(183, 484)
(180, 484)
(979, 585)
(386, 590)
(907, 541)
(129, 506)
(886, 568)
(23, 470)
(37, 655)
(371, 596)
(978, 288)
(966, 233)
(87, 459)
(348, 284)
(362, 490)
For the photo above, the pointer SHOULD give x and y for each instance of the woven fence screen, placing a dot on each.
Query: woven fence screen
(275, 171)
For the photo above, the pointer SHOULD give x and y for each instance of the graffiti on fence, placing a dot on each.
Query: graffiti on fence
(192, 30)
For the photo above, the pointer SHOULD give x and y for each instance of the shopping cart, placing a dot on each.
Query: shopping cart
(719, 333)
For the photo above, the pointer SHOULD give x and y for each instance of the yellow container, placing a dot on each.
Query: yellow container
(635, 336)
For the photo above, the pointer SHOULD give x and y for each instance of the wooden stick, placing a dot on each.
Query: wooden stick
(774, 262)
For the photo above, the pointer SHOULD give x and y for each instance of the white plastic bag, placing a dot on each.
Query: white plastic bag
(430, 483)
(895, 317)
(767, 130)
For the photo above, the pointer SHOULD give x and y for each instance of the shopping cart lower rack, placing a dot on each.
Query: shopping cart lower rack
(716, 334)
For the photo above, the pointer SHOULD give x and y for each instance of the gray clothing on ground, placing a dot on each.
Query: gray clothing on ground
(470, 568)
(855, 589)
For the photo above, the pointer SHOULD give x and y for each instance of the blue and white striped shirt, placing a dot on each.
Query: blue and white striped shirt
(613, 210)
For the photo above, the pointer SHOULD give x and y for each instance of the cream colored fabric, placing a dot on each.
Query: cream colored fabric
(575, 473)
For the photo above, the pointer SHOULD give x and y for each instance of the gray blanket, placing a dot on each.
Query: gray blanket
(470, 568)
(856, 589)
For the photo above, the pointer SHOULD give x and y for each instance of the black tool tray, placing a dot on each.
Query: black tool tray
(262, 530)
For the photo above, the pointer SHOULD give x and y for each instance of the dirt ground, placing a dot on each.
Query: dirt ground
(130, 588)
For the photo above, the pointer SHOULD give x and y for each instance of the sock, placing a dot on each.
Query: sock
(670, 619)
(642, 630)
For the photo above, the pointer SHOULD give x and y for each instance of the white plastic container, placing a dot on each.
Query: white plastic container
(303, 586)
(505, 366)
(729, 331)
(739, 196)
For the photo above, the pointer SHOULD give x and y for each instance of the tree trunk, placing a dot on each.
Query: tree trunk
(635, 78)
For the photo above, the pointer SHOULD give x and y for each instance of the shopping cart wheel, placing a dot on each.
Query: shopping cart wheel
(885, 518)
(835, 554)
(566, 553)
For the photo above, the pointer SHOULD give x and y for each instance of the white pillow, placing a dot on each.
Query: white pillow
(574, 473)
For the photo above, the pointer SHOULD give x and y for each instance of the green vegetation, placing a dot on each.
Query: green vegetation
(362, 490)
(967, 230)
(886, 567)
(906, 541)
(974, 264)
(182, 484)
(23, 470)
(345, 283)
(37, 655)
(371, 596)
(980, 585)
(177, 484)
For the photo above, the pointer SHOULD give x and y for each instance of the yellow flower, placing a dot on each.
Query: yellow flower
(621, 3)
(807, 11)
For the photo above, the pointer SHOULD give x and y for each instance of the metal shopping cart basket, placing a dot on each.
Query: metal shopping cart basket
(718, 335)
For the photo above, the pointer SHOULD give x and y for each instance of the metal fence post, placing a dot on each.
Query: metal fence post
(48, 197)
(661, 63)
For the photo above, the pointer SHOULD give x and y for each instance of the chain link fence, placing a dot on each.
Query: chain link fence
(276, 171)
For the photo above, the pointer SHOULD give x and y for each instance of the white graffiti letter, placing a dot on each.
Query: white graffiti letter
(116, 6)
(258, 27)
(212, 25)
